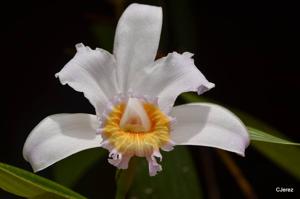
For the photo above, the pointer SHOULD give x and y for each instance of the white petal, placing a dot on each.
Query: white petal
(59, 136)
(210, 125)
(169, 77)
(136, 40)
(92, 72)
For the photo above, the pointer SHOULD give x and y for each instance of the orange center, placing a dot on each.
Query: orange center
(133, 137)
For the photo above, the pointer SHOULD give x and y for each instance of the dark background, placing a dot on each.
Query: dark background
(248, 49)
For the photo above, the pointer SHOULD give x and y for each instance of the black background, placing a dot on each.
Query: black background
(248, 49)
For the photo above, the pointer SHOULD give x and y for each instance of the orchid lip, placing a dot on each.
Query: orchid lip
(135, 127)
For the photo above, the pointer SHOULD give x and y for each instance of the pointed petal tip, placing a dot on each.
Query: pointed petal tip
(188, 54)
(203, 88)
(240, 153)
(79, 45)
(37, 169)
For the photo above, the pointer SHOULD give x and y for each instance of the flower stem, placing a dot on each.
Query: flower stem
(213, 190)
(124, 179)
(237, 174)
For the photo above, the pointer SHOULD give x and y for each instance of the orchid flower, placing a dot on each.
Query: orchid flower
(133, 95)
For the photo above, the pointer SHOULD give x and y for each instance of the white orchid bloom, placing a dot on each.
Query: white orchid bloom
(133, 96)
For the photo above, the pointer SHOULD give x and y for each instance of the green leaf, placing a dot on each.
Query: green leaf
(29, 185)
(177, 180)
(258, 135)
(69, 170)
(285, 156)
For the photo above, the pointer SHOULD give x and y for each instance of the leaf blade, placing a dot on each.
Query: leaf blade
(29, 185)
(258, 135)
(69, 170)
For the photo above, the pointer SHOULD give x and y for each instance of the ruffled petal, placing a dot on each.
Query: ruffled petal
(136, 40)
(210, 125)
(59, 136)
(169, 77)
(92, 72)
(153, 166)
(119, 160)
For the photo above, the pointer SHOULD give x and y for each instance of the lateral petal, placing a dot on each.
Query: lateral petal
(59, 136)
(92, 72)
(169, 77)
(210, 125)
